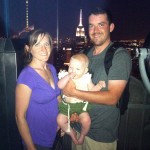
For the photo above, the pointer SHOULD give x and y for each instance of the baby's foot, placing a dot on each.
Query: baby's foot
(73, 135)
(81, 139)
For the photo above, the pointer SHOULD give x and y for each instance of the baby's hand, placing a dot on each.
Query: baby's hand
(102, 84)
(72, 75)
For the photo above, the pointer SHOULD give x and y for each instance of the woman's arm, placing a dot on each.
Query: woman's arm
(23, 94)
(59, 99)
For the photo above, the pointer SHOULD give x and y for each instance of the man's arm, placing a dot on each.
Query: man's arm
(110, 97)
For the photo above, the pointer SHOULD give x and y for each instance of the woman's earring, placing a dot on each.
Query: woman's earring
(30, 56)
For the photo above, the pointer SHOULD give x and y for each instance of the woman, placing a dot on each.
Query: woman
(37, 95)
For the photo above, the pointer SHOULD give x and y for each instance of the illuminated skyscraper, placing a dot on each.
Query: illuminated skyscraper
(80, 36)
(80, 32)
(28, 28)
(24, 31)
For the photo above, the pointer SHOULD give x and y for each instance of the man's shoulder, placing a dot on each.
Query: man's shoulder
(117, 50)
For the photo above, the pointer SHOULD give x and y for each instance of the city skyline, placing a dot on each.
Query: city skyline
(131, 17)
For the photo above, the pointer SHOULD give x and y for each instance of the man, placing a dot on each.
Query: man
(105, 116)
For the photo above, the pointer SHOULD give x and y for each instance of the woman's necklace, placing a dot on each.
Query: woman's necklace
(45, 73)
(50, 77)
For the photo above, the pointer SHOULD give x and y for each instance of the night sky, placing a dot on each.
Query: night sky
(131, 17)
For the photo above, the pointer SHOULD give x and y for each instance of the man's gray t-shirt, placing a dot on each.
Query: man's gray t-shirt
(105, 118)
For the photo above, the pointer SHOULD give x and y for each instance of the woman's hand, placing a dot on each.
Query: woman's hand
(62, 133)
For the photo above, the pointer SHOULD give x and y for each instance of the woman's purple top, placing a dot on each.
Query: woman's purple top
(43, 106)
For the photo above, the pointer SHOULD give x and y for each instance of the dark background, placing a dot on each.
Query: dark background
(132, 17)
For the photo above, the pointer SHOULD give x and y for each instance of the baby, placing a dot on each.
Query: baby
(78, 72)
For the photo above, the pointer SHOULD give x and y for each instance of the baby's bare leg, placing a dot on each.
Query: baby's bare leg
(85, 121)
(62, 121)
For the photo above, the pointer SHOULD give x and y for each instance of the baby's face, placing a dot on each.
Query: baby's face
(77, 67)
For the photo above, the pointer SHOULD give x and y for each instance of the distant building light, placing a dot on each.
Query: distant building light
(66, 64)
(68, 49)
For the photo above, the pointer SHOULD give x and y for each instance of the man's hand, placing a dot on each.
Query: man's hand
(69, 89)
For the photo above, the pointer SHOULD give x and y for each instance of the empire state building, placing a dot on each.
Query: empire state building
(80, 32)
(80, 36)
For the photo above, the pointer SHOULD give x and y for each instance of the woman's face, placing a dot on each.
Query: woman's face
(41, 50)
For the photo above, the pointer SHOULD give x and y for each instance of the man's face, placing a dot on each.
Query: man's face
(99, 29)
(77, 67)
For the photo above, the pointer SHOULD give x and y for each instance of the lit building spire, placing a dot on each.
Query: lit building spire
(28, 28)
(80, 32)
(27, 14)
(80, 22)
(81, 39)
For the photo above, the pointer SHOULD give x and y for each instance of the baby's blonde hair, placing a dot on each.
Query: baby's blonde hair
(81, 57)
